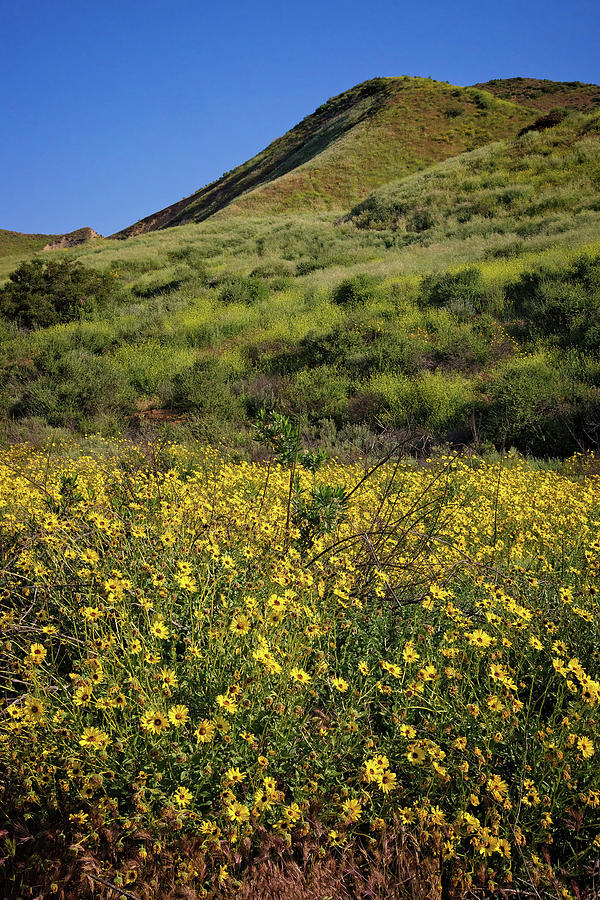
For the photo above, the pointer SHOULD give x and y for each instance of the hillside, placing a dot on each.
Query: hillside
(530, 184)
(455, 304)
(543, 94)
(14, 243)
(356, 141)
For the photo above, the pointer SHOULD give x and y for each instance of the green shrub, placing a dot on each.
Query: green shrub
(352, 291)
(204, 390)
(45, 292)
(319, 393)
(560, 302)
(241, 289)
(462, 292)
(538, 406)
(75, 391)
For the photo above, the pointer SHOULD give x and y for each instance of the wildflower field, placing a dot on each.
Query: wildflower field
(217, 672)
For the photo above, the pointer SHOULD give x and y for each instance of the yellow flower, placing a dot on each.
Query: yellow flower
(238, 812)
(407, 731)
(409, 654)
(427, 673)
(169, 677)
(37, 653)
(387, 781)
(204, 732)
(234, 776)
(179, 715)
(340, 684)
(227, 703)
(415, 755)
(479, 638)
(154, 721)
(33, 710)
(300, 676)
(83, 695)
(159, 629)
(94, 739)
(182, 797)
(585, 746)
(240, 624)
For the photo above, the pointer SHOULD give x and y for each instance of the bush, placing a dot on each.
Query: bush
(352, 291)
(241, 289)
(204, 390)
(540, 407)
(46, 292)
(461, 292)
(560, 302)
(77, 390)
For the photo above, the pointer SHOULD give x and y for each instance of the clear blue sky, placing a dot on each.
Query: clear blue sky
(115, 109)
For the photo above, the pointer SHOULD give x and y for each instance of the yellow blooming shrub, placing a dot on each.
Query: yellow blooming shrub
(175, 658)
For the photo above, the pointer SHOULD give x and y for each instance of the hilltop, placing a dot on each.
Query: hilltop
(542, 94)
(364, 137)
(15, 243)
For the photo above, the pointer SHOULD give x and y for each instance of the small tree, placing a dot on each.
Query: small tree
(45, 292)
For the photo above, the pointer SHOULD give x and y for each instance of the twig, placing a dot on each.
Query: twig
(113, 887)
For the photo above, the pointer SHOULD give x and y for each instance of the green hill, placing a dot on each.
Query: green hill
(13, 243)
(543, 94)
(539, 182)
(457, 303)
(356, 141)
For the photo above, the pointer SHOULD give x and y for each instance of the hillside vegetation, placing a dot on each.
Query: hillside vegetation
(354, 142)
(539, 182)
(540, 93)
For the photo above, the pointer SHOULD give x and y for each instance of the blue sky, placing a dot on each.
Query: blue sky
(113, 110)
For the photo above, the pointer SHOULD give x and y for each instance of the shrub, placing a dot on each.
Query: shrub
(241, 289)
(319, 393)
(46, 292)
(540, 407)
(77, 390)
(421, 220)
(351, 291)
(460, 292)
(560, 302)
(204, 390)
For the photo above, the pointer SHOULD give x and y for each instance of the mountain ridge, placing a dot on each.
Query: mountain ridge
(370, 134)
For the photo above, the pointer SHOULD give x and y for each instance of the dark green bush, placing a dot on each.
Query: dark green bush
(271, 270)
(242, 289)
(563, 303)
(540, 406)
(75, 390)
(421, 220)
(352, 291)
(204, 390)
(43, 292)
(461, 292)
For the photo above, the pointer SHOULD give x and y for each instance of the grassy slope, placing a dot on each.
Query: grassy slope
(543, 94)
(13, 243)
(357, 140)
(15, 246)
(526, 184)
(185, 300)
